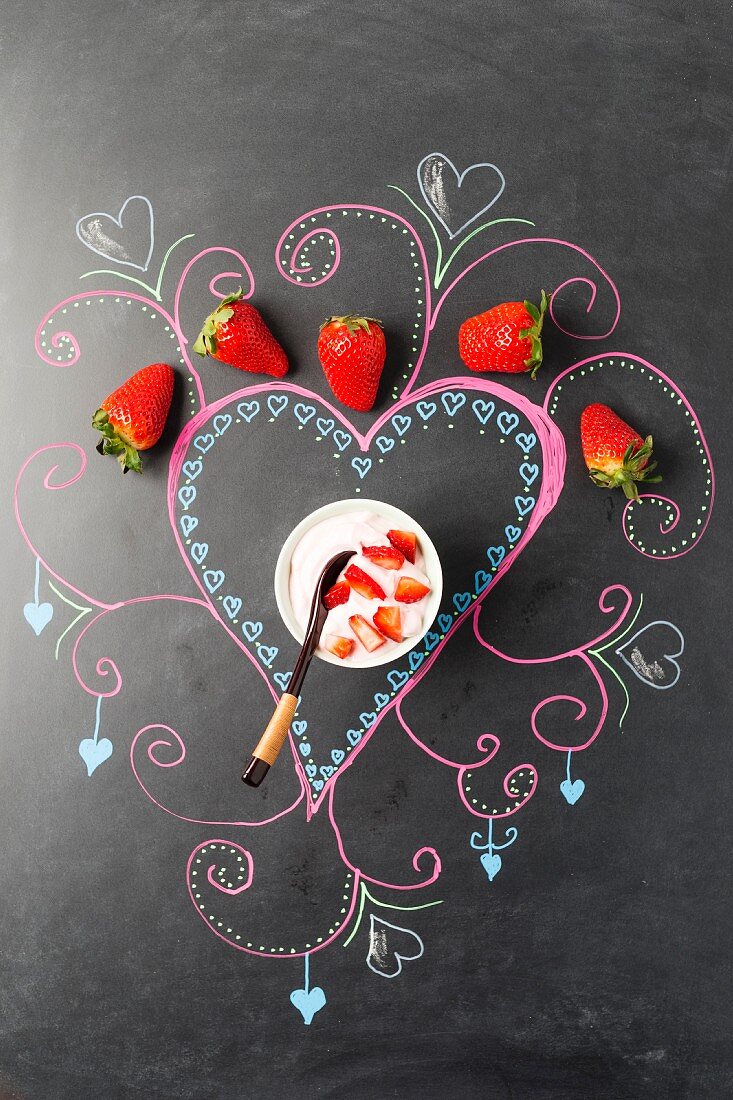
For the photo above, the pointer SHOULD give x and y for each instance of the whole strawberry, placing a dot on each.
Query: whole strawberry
(133, 417)
(352, 351)
(236, 334)
(504, 338)
(616, 455)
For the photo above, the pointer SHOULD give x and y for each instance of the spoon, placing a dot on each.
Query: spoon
(272, 740)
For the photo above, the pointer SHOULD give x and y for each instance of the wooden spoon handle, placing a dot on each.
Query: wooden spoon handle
(272, 740)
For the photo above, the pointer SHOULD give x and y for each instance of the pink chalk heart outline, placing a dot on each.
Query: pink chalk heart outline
(85, 224)
(430, 177)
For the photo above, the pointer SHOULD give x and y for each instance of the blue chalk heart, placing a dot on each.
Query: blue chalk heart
(452, 402)
(337, 755)
(187, 524)
(311, 771)
(324, 424)
(572, 791)
(304, 412)
(221, 422)
(426, 409)
(38, 616)
(248, 410)
(431, 639)
(367, 718)
(341, 439)
(317, 785)
(326, 771)
(305, 748)
(525, 440)
(299, 727)
(193, 468)
(251, 630)
(282, 679)
(353, 737)
(480, 580)
(445, 622)
(199, 550)
(267, 654)
(524, 505)
(495, 554)
(462, 600)
(483, 409)
(528, 472)
(187, 495)
(362, 466)
(381, 699)
(232, 605)
(276, 402)
(94, 753)
(401, 423)
(397, 679)
(416, 659)
(506, 422)
(491, 864)
(384, 443)
(204, 443)
(512, 533)
(213, 579)
(308, 1002)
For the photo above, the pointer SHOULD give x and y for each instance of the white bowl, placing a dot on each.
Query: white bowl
(397, 518)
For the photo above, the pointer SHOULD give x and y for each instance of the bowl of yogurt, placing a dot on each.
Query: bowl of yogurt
(382, 595)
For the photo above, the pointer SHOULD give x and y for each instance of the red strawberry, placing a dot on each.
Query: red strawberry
(614, 453)
(236, 334)
(336, 595)
(385, 556)
(409, 590)
(340, 647)
(405, 542)
(389, 622)
(352, 351)
(505, 338)
(362, 583)
(133, 417)
(370, 638)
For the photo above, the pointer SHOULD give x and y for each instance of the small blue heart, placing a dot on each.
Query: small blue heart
(282, 679)
(367, 718)
(232, 605)
(324, 424)
(480, 580)
(362, 466)
(401, 423)
(304, 412)
(462, 600)
(276, 402)
(495, 554)
(506, 422)
(187, 524)
(528, 472)
(204, 443)
(524, 504)
(512, 533)
(308, 1003)
(221, 422)
(397, 679)
(193, 468)
(353, 737)
(213, 579)
(337, 755)
(431, 639)
(326, 771)
(572, 791)
(445, 622)
(199, 550)
(341, 439)
(187, 495)
(251, 630)
(525, 441)
(311, 771)
(491, 864)
(483, 409)
(94, 753)
(38, 616)
(384, 443)
(381, 699)
(305, 748)
(299, 727)
(248, 410)
(317, 785)
(416, 659)
(426, 409)
(452, 402)
(267, 654)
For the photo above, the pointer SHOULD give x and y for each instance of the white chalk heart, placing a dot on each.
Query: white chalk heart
(124, 239)
(442, 187)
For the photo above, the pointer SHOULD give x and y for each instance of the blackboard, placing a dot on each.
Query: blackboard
(497, 868)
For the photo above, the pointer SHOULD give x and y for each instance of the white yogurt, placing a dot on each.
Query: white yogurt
(353, 531)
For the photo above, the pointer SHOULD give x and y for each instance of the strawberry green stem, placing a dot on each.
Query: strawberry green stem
(112, 443)
(635, 467)
(205, 342)
(353, 322)
(533, 333)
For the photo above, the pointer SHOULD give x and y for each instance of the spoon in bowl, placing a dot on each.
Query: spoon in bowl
(272, 740)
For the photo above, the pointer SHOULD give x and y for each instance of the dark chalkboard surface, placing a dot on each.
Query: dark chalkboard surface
(497, 867)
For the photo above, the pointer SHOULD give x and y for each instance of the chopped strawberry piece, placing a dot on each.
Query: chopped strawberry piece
(388, 620)
(336, 595)
(405, 542)
(340, 647)
(370, 638)
(386, 556)
(409, 590)
(362, 583)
